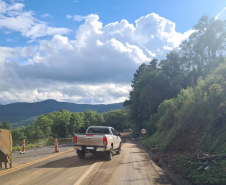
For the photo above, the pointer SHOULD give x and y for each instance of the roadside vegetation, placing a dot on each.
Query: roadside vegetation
(65, 124)
(34, 143)
(181, 102)
(19, 148)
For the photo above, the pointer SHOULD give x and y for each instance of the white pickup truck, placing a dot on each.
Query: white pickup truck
(98, 139)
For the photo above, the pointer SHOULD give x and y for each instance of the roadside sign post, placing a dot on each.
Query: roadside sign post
(143, 131)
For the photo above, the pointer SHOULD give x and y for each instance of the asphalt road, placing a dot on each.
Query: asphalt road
(42, 166)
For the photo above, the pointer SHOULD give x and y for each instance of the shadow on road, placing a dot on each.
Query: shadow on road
(74, 161)
(163, 180)
(160, 181)
(133, 146)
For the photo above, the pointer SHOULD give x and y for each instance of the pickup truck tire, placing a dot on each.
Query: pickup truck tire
(118, 150)
(108, 155)
(81, 154)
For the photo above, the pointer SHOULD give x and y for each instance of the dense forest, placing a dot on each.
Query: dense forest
(64, 124)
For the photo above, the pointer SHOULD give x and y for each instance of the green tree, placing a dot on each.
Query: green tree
(18, 134)
(138, 74)
(117, 119)
(172, 69)
(76, 121)
(61, 122)
(45, 123)
(89, 118)
(33, 132)
(153, 64)
(5, 125)
(152, 88)
(99, 119)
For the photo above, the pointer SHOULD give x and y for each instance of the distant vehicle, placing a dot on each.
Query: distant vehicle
(128, 130)
(136, 135)
(98, 139)
(6, 156)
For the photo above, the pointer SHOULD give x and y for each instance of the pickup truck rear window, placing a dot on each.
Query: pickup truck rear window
(98, 130)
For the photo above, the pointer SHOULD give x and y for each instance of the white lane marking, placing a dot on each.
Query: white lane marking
(85, 175)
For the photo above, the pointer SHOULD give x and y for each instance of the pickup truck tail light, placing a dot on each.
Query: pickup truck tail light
(105, 140)
(75, 139)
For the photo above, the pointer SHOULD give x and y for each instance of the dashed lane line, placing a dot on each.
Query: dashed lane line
(32, 162)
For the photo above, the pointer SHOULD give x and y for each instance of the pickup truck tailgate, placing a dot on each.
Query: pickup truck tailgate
(90, 140)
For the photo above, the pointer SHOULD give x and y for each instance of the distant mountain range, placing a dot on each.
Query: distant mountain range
(17, 112)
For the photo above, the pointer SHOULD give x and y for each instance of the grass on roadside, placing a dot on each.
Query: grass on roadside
(29, 146)
(215, 174)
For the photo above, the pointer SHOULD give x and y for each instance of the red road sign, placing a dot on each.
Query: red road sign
(143, 131)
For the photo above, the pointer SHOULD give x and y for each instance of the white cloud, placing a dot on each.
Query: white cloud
(222, 15)
(45, 15)
(69, 16)
(14, 18)
(4, 7)
(77, 17)
(9, 40)
(96, 67)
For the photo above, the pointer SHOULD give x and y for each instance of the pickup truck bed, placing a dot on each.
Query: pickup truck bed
(90, 142)
(105, 141)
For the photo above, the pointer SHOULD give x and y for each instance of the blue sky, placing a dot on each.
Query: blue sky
(184, 13)
(86, 51)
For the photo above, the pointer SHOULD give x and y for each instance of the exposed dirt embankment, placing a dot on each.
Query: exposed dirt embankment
(187, 140)
(196, 155)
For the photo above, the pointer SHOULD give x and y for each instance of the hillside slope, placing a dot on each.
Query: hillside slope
(16, 112)
(191, 123)
(24, 123)
(191, 128)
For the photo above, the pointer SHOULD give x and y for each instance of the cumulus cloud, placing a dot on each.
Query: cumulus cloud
(76, 17)
(222, 15)
(106, 93)
(96, 67)
(13, 17)
(4, 7)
